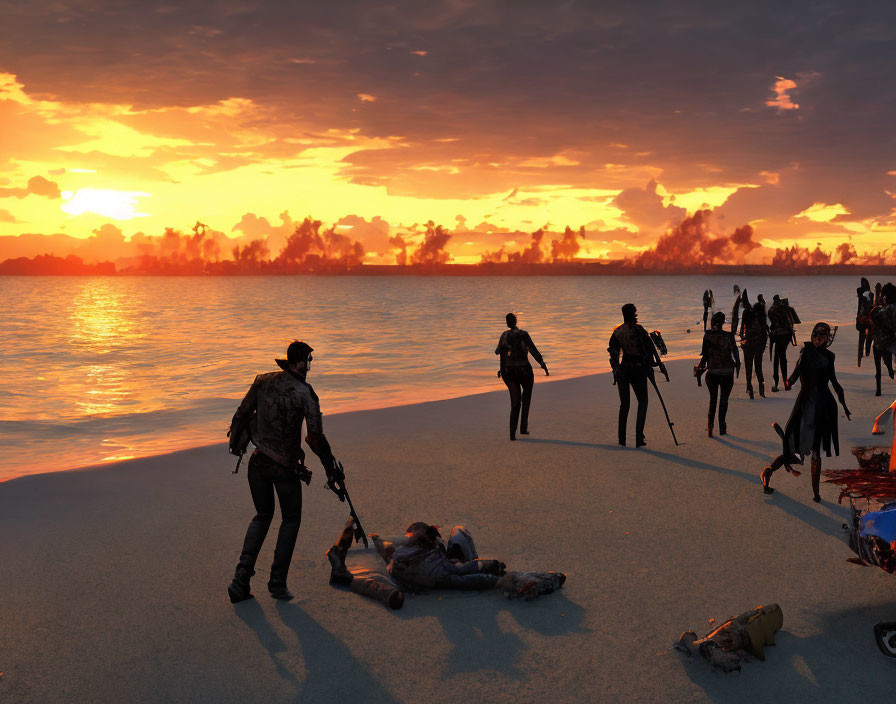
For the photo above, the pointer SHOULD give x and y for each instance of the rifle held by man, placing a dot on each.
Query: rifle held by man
(336, 484)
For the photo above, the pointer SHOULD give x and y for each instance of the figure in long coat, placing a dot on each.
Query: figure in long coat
(812, 426)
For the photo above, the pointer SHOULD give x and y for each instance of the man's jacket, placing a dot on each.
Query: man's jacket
(282, 402)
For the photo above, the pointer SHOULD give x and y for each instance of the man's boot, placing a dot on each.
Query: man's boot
(280, 592)
(239, 588)
(723, 427)
(750, 391)
(709, 429)
(762, 389)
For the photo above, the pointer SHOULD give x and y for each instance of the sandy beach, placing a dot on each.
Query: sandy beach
(114, 577)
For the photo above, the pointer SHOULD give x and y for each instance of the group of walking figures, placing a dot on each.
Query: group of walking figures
(812, 426)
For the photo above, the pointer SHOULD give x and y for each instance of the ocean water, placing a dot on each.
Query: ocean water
(98, 369)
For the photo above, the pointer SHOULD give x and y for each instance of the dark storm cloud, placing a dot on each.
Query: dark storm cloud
(686, 85)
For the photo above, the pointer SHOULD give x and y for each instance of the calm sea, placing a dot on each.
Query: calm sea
(98, 369)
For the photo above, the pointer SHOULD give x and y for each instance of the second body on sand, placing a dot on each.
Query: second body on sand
(513, 350)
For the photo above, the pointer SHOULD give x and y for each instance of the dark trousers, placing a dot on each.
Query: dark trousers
(781, 342)
(753, 358)
(634, 379)
(715, 383)
(466, 575)
(881, 354)
(865, 340)
(266, 477)
(519, 381)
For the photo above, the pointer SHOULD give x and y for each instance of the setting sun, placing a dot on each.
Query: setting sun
(118, 205)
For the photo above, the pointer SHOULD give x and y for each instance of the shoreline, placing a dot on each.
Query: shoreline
(479, 392)
(223, 443)
(540, 380)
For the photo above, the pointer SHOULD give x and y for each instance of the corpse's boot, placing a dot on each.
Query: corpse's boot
(374, 588)
(339, 573)
(762, 389)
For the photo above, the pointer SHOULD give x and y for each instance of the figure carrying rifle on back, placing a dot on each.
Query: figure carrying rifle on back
(633, 357)
(272, 413)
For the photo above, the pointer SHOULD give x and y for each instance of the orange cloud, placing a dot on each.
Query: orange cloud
(782, 99)
(823, 212)
(37, 185)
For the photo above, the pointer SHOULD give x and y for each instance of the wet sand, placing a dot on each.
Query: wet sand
(113, 578)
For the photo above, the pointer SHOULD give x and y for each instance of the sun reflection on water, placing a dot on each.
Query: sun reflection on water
(102, 327)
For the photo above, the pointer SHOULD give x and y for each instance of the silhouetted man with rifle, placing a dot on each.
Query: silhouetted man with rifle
(633, 357)
(272, 414)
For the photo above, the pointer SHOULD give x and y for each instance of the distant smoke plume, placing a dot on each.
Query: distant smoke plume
(533, 254)
(432, 249)
(691, 244)
(494, 257)
(304, 239)
(401, 256)
(845, 253)
(307, 248)
(565, 250)
(251, 255)
(797, 256)
(173, 252)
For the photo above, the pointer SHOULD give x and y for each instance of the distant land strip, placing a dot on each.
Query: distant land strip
(51, 265)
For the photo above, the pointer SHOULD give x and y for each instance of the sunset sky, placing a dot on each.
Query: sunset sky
(491, 118)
